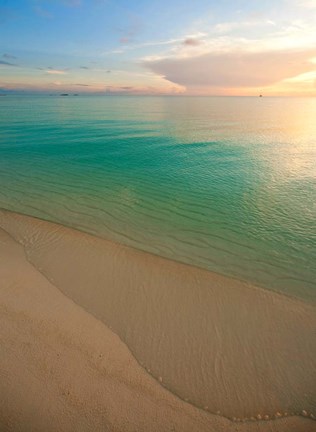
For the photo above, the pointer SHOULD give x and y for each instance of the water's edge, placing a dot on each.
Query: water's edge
(160, 290)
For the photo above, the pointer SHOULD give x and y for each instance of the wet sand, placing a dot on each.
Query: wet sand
(224, 345)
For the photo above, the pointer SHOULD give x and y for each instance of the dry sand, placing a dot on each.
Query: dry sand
(62, 369)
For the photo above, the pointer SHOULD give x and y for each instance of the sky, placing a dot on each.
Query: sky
(192, 47)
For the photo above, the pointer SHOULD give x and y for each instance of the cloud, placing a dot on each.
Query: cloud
(5, 63)
(192, 42)
(129, 45)
(9, 56)
(131, 30)
(93, 69)
(55, 71)
(231, 26)
(125, 40)
(233, 69)
(308, 4)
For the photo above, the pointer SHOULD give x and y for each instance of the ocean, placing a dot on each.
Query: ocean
(223, 183)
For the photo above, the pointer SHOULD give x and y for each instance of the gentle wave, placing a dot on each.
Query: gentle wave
(213, 186)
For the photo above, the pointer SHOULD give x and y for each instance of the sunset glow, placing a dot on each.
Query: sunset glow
(194, 48)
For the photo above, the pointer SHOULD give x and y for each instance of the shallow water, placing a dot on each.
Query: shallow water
(225, 346)
(227, 184)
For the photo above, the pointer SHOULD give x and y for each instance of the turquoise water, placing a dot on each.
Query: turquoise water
(227, 184)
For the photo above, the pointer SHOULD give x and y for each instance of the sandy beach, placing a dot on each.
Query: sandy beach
(157, 216)
(96, 336)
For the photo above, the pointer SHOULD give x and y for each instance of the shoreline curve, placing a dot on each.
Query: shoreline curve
(152, 334)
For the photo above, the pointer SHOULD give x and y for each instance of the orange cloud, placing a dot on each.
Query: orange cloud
(239, 69)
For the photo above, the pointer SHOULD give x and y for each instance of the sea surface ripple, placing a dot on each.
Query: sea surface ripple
(227, 184)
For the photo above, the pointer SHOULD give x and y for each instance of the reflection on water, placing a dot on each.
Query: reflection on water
(223, 183)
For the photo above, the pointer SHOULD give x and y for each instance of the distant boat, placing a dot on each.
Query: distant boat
(64, 94)
(260, 95)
